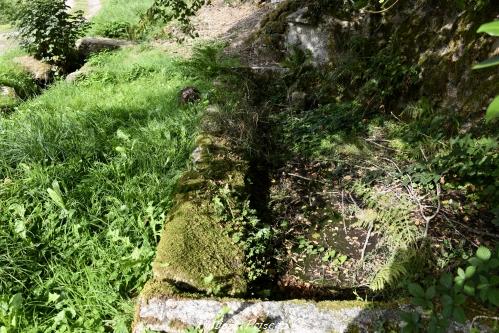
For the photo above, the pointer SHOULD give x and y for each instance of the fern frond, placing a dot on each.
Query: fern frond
(392, 272)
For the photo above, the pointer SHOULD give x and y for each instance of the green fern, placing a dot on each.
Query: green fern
(398, 267)
(391, 215)
(390, 212)
(388, 275)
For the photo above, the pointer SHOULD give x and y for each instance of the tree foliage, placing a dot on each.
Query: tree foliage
(7, 9)
(169, 10)
(48, 30)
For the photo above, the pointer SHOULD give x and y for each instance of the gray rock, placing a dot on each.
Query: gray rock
(91, 45)
(300, 16)
(40, 71)
(298, 99)
(307, 37)
(174, 315)
(8, 92)
(189, 95)
(79, 74)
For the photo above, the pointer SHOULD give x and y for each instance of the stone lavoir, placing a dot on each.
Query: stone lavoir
(199, 274)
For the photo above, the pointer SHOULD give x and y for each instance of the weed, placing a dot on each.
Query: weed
(60, 30)
(245, 229)
(11, 75)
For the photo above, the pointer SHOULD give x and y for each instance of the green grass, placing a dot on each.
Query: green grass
(86, 175)
(116, 17)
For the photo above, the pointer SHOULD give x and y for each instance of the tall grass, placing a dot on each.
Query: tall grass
(86, 176)
(117, 17)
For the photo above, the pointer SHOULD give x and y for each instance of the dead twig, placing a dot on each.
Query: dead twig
(380, 145)
(305, 178)
(418, 199)
(371, 226)
(343, 211)
(429, 218)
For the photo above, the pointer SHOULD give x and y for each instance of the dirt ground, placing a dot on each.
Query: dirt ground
(222, 22)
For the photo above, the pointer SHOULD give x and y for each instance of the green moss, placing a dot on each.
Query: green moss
(338, 305)
(194, 245)
(190, 181)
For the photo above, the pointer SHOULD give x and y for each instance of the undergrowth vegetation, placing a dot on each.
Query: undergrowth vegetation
(117, 18)
(11, 75)
(87, 171)
(359, 177)
(6, 11)
(369, 137)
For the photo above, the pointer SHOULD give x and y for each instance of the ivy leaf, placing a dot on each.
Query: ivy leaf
(460, 273)
(446, 300)
(430, 292)
(493, 296)
(470, 271)
(487, 63)
(484, 253)
(459, 299)
(469, 289)
(446, 280)
(459, 315)
(416, 290)
(491, 28)
(493, 109)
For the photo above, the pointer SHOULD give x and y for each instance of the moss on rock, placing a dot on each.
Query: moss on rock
(193, 246)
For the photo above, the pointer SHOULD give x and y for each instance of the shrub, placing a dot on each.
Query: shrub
(6, 11)
(48, 31)
(444, 301)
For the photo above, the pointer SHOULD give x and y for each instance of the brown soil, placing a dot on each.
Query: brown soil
(222, 22)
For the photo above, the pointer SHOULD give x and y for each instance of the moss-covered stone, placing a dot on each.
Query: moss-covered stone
(193, 246)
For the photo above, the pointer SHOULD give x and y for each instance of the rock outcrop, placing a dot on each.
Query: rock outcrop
(39, 70)
(91, 45)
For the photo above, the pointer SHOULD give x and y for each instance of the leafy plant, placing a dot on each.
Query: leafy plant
(478, 279)
(444, 301)
(214, 288)
(48, 30)
(471, 160)
(336, 259)
(10, 312)
(491, 28)
(245, 229)
(7, 10)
